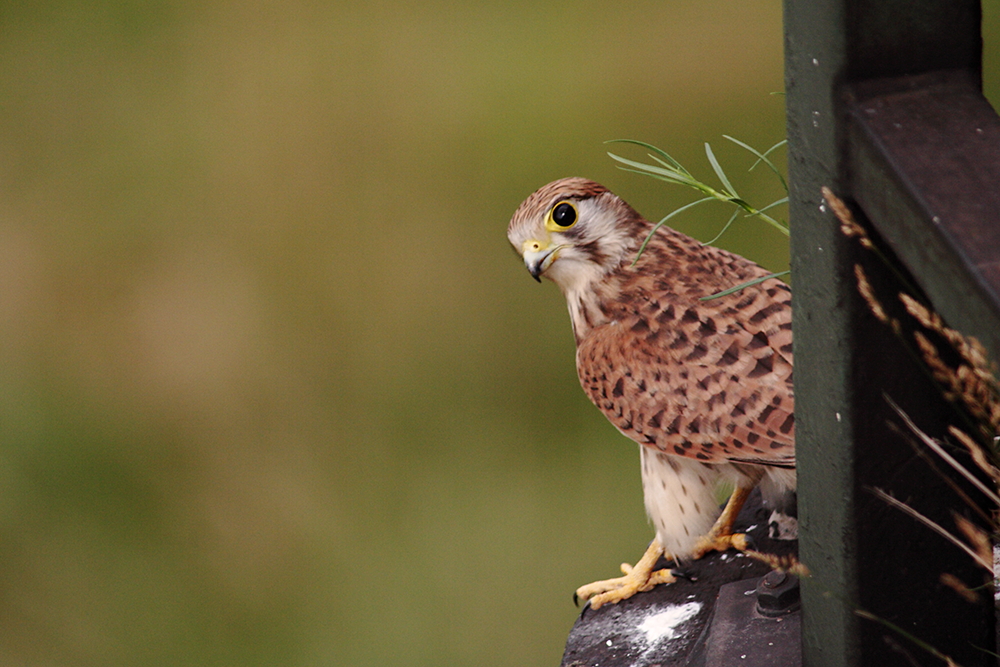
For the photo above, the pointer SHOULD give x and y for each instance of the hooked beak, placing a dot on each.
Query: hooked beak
(537, 259)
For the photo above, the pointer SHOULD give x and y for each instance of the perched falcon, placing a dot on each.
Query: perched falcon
(704, 386)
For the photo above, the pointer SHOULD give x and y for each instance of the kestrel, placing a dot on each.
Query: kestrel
(704, 386)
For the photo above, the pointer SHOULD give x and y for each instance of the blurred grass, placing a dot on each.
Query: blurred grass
(275, 390)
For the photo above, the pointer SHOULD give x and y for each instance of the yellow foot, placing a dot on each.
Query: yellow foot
(719, 543)
(721, 537)
(637, 579)
(642, 578)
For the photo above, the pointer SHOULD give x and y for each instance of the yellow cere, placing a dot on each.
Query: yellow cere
(532, 245)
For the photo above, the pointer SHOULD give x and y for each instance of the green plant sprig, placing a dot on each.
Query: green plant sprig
(670, 170)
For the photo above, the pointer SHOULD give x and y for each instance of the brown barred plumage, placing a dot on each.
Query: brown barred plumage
(704, 387)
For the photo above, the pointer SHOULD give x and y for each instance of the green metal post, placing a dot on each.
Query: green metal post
(883, 109)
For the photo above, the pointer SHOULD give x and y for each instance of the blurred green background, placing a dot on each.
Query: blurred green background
(275, 390)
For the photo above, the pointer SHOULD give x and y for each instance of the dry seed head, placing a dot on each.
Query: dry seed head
(976, 452)
(921, 313)
(975, 384)
(977, 538)
(939, 370)
(789, 563)
(969, 348)
(979, 396)
(849, 227)
(954, 583)
(868, 294)
(972, 382)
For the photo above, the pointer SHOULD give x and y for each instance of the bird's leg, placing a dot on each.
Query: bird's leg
(721, 536)
(639, 578)
(642, 577)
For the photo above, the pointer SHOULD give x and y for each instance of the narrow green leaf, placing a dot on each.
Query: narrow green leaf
(779, 202)
(771, 221)
(663, 222)
(665, 173)
(727, 292)
(718, 170)
(761, 157)
(662, 153)
(724, 228)
(670, 166)
(776, 146)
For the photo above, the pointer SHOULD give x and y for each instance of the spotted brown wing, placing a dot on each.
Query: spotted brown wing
(709, 380)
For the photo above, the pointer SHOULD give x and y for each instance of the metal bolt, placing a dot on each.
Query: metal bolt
(777, 594)
(774, 579)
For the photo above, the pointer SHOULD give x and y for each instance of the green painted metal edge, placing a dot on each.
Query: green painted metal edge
(815, 58)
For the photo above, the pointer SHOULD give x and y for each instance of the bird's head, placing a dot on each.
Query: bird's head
(574, 231)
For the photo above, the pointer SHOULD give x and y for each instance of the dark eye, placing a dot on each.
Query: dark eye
(564, 214)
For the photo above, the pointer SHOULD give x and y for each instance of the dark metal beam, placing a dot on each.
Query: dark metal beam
(871, 117)
(815, 58)
(924, 164)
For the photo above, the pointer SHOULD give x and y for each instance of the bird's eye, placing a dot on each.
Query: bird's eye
(562, 216)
